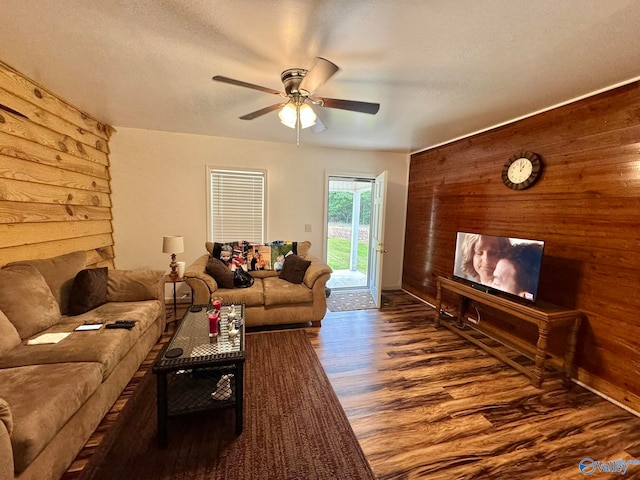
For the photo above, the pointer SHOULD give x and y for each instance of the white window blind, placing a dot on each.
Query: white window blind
(237, 205)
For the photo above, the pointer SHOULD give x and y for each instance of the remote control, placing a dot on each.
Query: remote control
(126, 322)
(128, 326)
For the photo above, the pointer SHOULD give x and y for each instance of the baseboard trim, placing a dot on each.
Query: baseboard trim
(418, 298)
(606, 397)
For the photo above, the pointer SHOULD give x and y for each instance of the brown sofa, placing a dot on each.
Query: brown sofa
(270, 300)
(53, 396)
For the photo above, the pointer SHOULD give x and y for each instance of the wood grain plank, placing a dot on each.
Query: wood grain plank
(52, 122)
(27, 150)
(34, 233)
(25, 88)
(19, 127)
(54, 248)
(25, 212)
(26, 171)
(18, 191)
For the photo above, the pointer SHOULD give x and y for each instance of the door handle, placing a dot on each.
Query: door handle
(384, 250)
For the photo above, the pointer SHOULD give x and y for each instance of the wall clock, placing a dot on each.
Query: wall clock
(521, 170)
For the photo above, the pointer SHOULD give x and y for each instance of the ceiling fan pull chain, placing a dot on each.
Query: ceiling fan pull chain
(297, 125)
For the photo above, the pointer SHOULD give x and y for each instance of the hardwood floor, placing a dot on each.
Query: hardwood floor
(427, 404)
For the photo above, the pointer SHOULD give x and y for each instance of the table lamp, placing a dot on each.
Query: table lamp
(173, 244)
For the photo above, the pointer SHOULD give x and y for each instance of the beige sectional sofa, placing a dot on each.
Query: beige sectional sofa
(270, 300)
(53, 396)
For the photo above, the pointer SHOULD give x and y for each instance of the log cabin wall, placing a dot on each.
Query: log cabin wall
(585, 206)
(54, 176)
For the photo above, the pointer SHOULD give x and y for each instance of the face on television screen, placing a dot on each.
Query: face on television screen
(511, 265)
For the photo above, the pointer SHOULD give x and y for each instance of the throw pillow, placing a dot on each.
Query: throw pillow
(269, 256)
(219, 272)
(231, 253)
(9, 337)
(294, 268)
(26, 300)
(89, 290)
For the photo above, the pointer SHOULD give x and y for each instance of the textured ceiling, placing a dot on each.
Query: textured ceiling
(440, 69)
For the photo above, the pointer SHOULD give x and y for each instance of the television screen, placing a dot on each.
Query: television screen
(504, 264)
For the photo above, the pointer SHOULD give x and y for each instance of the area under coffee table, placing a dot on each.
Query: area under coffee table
(193, 368)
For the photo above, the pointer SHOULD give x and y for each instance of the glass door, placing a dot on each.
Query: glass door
(348, 239)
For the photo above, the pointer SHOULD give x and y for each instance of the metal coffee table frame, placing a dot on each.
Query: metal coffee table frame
(186, 382)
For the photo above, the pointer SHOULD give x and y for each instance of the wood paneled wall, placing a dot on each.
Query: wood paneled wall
(586, 207)
(54, 176)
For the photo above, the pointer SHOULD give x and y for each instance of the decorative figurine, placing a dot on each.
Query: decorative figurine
(223, 390)
(233, 331)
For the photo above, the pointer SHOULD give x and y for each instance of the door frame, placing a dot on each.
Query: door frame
(365, 177)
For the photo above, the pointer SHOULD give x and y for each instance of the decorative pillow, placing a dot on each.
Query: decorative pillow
(219, 272)
(269, 256)
(26, 300)
(231, 253)
(9, 336)
(294, 268)
(89, 290)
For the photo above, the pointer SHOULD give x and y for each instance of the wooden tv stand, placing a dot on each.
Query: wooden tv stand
(544, 315)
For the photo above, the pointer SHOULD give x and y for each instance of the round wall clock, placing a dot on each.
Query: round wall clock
(521, 170)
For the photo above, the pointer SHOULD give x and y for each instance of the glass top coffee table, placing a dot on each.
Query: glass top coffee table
(197, 372)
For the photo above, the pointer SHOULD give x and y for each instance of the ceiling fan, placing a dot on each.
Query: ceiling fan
(299, 88)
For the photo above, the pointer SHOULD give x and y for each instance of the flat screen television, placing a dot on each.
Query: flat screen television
(499, 264)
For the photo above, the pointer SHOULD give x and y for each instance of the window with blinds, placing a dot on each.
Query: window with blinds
(237, 205)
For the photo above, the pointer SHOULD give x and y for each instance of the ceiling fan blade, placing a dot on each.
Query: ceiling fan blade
(231, 81)
(262, 111)
(319, 126)
(353, 105)
(321, 71)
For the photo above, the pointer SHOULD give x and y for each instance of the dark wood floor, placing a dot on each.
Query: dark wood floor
(425, 403)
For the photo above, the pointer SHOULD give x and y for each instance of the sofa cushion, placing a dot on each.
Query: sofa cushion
(294, 268)
(59, 273)
(264, 273)
(281, 292)
(105, 346)
(89, 290)
(303, 248)
(5, 415)
(48, 396)
(220, 272)
(9, 336)
(251, 297)
(134, 285)
(26, 300)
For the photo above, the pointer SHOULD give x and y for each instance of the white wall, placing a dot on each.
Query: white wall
(159, 187)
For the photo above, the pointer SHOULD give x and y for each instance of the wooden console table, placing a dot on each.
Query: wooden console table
(544, 315)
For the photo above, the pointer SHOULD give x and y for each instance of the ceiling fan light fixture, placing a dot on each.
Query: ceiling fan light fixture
(307, 116)
(290, 112)
(288, 115)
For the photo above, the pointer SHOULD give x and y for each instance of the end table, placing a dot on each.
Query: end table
(174, 280)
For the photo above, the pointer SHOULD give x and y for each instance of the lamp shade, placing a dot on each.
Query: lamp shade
(173, 244)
